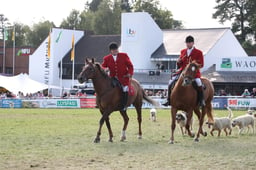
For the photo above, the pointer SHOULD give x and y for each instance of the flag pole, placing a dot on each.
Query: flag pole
(49, 57)
(61, 65)
(13, 51)
(73, 60)
(4, 52)
(73, 69)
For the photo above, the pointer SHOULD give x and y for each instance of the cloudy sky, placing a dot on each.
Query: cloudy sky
(194, 14)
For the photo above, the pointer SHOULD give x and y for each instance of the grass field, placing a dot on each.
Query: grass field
(63, 139)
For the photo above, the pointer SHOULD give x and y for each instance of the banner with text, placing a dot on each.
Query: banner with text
(241, 102)
(236, 64)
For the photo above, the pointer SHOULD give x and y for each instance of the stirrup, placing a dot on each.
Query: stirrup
(167, 103)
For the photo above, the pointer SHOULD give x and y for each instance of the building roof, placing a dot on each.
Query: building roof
(92, 46)
(229, 77)
(173, 41)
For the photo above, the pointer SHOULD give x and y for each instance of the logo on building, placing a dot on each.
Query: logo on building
(131, 32)
(226, 63)
(23, 52)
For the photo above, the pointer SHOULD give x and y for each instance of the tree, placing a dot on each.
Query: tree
(237, 11)
(93, 6)
(39, 32)
(72, 21)
(21, 35)
(162, 17)
(107, 19)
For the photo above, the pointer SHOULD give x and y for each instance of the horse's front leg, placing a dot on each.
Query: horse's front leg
(173, 124)
(199, 114)
(103, 118)
(201, 121)
(126, 120)
(188, 123)
(109, 130)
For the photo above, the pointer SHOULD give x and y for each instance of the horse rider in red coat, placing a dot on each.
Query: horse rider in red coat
(186, 56)
(121, 68)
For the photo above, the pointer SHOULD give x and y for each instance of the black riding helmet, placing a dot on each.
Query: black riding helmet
(113, 46)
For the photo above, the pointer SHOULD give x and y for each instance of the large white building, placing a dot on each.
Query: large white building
(145, 43)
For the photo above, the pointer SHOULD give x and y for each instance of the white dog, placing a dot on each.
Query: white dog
(152, 114)
(181, 118)
(251, 112)
(244, 121)
(222, 123)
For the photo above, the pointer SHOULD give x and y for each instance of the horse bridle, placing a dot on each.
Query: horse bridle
(188, 77)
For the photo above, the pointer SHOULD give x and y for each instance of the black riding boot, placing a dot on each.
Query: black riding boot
(124, 100)
(201, 96)
(168, 102)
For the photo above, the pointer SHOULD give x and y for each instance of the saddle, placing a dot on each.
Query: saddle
(116, 83)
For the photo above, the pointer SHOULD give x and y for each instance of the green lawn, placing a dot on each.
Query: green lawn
(63, 139)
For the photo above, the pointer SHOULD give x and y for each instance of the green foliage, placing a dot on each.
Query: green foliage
(72, 21)
(22, 33)
(162, 17)
(242, 13)
(39, 32)
(108, 18)
(99, 16)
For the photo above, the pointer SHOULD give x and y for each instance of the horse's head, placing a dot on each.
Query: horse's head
(189, 73)
(88, 71)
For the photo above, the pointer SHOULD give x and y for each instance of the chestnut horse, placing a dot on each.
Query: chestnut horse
(184, 97)
(108, 97)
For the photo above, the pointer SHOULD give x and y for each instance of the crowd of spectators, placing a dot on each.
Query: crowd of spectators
(157, 93)
(79, 94)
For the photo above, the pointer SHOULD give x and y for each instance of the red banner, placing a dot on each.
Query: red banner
(88, 102)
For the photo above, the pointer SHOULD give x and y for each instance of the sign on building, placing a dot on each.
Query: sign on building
(237, 64)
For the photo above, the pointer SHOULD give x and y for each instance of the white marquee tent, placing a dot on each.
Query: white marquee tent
(21, 83)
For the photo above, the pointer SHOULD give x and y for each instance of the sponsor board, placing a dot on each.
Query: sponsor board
(11, 103)
(241, 102)
(52, 103)
(237, 64)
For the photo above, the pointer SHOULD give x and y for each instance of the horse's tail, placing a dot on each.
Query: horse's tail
(149, 100)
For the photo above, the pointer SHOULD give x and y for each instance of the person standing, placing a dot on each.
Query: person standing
(121, 68)
(188, 55)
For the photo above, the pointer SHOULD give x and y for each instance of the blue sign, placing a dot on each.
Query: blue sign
(220, 103)
(11, 103)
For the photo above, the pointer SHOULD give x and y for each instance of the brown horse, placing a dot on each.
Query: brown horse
(184, 97)
(108, 98)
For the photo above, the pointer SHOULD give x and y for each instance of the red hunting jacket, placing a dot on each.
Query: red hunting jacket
(119, 68)
(195, 55)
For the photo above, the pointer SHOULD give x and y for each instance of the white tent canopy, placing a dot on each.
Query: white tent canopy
(21, 83)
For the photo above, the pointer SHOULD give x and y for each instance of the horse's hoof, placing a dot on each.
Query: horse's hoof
(192, 135)
(196, 140)
(97, 140)
(123, 138)
(171, 142)
(110, 140)
(205, 134)
(139, 137)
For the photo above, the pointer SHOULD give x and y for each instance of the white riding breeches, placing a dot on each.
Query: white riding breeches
(172, 79)
(125, 88)
(198, 82)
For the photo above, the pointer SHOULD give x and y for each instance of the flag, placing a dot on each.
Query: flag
(13, 34)
(6, 34)
(58, 38)
(72, 56)
(49, 45)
